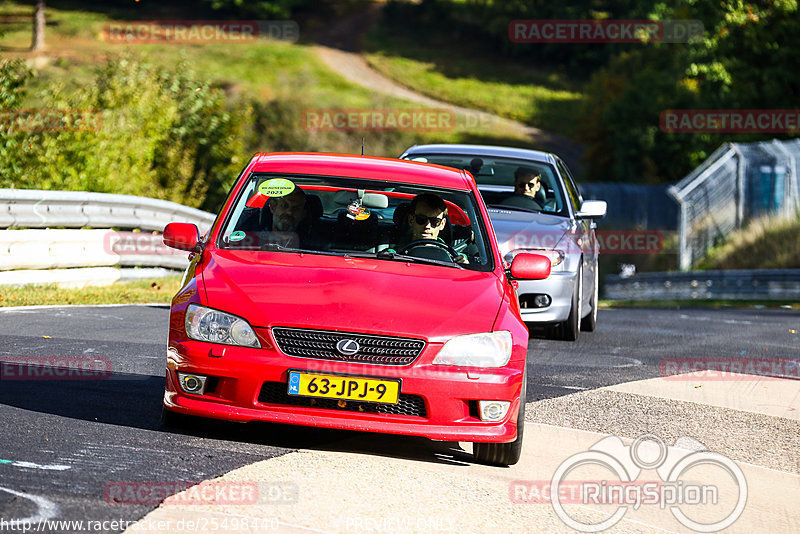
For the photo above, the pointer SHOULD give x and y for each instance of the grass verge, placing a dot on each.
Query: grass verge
(265, 71)
(713, 304)
(135, 292)
(445, 71)
(765, 243)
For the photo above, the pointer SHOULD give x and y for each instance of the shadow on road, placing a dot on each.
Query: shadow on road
(132, 400)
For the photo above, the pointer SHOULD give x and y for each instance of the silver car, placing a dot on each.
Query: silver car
(558, 224)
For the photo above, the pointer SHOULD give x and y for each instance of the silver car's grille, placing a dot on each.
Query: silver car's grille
(322, 344)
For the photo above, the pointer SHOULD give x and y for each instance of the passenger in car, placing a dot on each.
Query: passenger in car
(287, 213)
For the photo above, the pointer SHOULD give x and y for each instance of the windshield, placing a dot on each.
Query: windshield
(365, 218)
(496, 178)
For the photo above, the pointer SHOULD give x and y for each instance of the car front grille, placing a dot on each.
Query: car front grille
(275, 393)
(321, 344)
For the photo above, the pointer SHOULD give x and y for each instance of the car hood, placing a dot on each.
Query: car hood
(519, 229)
(352, 294)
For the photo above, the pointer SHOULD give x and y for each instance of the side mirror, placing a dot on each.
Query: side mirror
(593, 209)
(183, 236)
(527, 266)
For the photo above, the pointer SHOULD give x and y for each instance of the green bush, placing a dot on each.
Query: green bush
(162, 134)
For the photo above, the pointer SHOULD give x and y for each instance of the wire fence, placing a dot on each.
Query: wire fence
(633, 206)
(737, 183)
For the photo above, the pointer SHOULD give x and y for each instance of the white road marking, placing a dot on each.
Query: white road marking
(45, 509)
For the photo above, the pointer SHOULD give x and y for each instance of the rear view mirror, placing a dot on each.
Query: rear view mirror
(375, 201)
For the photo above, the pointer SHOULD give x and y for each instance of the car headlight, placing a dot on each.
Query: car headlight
(490, 349)
(556, 256)
(214, 326)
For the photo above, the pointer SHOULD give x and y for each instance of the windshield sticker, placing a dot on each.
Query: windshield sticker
(357, 212)
(276, 187)
(236, 236)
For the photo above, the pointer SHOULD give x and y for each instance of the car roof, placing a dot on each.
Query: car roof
(482, 150)
(369, 167)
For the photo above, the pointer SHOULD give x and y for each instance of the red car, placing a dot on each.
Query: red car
(357, 293)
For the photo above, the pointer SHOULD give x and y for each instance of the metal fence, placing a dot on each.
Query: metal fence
(32, 208)
(639, 206)
(737, 183)
(756, 284)
(66, 237)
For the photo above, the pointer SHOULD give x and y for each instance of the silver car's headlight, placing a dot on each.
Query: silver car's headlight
(214, 326)
(490, 349)
(556, 256)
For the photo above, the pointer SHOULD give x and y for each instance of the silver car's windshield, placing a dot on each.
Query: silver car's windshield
(496, 177)
(364, 218)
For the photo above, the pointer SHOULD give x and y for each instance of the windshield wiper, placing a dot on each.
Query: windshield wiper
(387, 255)
(279, 247)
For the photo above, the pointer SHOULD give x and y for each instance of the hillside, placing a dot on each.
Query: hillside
(764, 244)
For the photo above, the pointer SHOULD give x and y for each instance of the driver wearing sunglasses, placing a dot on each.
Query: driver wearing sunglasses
(427, 216)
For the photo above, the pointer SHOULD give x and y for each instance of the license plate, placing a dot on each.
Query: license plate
(343, 387)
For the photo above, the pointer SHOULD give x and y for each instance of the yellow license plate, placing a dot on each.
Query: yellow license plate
(342, 387)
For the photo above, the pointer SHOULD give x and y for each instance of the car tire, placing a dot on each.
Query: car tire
(589, 323)
(505, 454)
(569, 329)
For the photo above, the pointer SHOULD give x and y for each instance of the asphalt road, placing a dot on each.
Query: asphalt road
(64, 442)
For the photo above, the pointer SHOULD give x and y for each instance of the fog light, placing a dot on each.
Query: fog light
(493, 410)
(534, 301)
(194, 384)
(541, 301)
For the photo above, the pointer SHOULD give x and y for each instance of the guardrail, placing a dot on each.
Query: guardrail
(30, 254)
(33, 208)
(757, 284)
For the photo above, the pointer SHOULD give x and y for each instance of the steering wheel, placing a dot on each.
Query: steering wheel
(418, 243)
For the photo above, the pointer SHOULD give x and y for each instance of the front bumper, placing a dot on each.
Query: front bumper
(560, 286)
(249, 383)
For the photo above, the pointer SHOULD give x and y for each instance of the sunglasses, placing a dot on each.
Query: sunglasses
(422, 220)
(526, 185)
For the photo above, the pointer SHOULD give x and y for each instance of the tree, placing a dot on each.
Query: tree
(38, 26)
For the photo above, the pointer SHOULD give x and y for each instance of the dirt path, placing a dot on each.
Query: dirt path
(340, 52)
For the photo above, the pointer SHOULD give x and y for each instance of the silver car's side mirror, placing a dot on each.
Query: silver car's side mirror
(592, 209)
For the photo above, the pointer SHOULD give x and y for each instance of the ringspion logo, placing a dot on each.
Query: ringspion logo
(704, 490)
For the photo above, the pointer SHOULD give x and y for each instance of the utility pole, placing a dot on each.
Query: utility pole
(38, 26)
